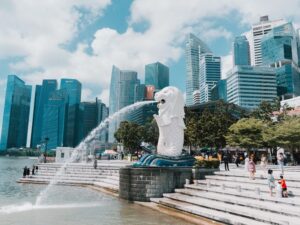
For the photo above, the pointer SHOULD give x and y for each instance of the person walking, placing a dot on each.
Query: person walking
(226, 160)
(37, 169)
(251, 168)
(263, 162)
(24, 171)
(33, 170)
(237, 159)
(280, 162)
(95, 163)
(28, 171)
(271, 181)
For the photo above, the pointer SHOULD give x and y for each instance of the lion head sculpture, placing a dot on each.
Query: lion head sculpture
(170, 121)
(170, 102)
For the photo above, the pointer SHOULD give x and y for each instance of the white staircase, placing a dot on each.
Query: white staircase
(106, 175)
(232, 198)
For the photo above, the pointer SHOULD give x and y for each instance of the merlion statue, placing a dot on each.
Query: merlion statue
(171, 132)
(170, 121)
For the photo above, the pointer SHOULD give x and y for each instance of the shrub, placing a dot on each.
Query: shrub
(211, 163)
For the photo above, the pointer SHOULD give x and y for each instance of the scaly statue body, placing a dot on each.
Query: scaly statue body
(170, 121)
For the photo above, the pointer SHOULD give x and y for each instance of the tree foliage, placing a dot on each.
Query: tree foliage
(247, 133)
(130, 135)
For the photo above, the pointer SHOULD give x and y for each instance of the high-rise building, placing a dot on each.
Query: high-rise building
(150, 90)
(241, 51)
(122, 92)
(210, 74)
(54, 118)
(257, 32)
(73, 90)
(139, 92)
(42, 94)
(16, 113)
(91, 114)
(196, 97)
(248, 86)
(157, 74)
(279, 50)
(219, 91)
(194, 47)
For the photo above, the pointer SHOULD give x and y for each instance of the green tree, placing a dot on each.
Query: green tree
(246, 133)
(151, 133)
(130, 135)
(191, 133)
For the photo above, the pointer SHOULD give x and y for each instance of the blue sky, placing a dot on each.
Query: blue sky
(82, 39)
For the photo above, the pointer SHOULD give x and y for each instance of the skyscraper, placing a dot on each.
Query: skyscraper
(194, 47)
(279, 50)
(219, 91)
(73, 90)
(54, 118)
(248, 86)
(122, 92)
(139, 92)
(241, 51)
(16, 113)
(210, 74)
(157, 74)
(42, 93)
(257, 32)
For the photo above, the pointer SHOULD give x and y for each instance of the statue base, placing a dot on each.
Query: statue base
(165, 161)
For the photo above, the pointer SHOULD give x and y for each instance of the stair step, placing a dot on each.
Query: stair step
(212, 214)
(243, 201)
(244, 193)
(242, 211)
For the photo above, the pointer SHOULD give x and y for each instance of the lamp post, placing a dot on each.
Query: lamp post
(46, 146)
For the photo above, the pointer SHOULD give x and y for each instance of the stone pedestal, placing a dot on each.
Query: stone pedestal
(143, 183)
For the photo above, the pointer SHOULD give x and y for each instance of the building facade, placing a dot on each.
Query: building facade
(257, 33)
(193, 48)
(73, 89)
(122, 94)
(16, 113)
(157, 74)
(210, 74)
(241, 51)
(42, 94)
(219, 91)
(54, 119)
(279, 50)
(248, 86)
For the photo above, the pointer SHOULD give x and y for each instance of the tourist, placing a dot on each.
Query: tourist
(251, 168)
(263, 162)
(36, 169)
(28, 171)
(282, 182)
(226, 160)
(122, 155)
(33, 169)
(95, 163)
(24, 171)
(271, 181)
(280, 161)
(237, 159)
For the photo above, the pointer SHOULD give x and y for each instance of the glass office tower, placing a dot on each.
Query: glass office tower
(219, 91)
(279, 50)
(241, 51)
(16, 113)
(42, 93)
(193, 48)
(54, 118)
(248, 86)
(157, 74)
(210, 74)
(73, 90)
(122, 93)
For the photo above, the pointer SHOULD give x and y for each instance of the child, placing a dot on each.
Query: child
(283, 187)
(271, 181)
